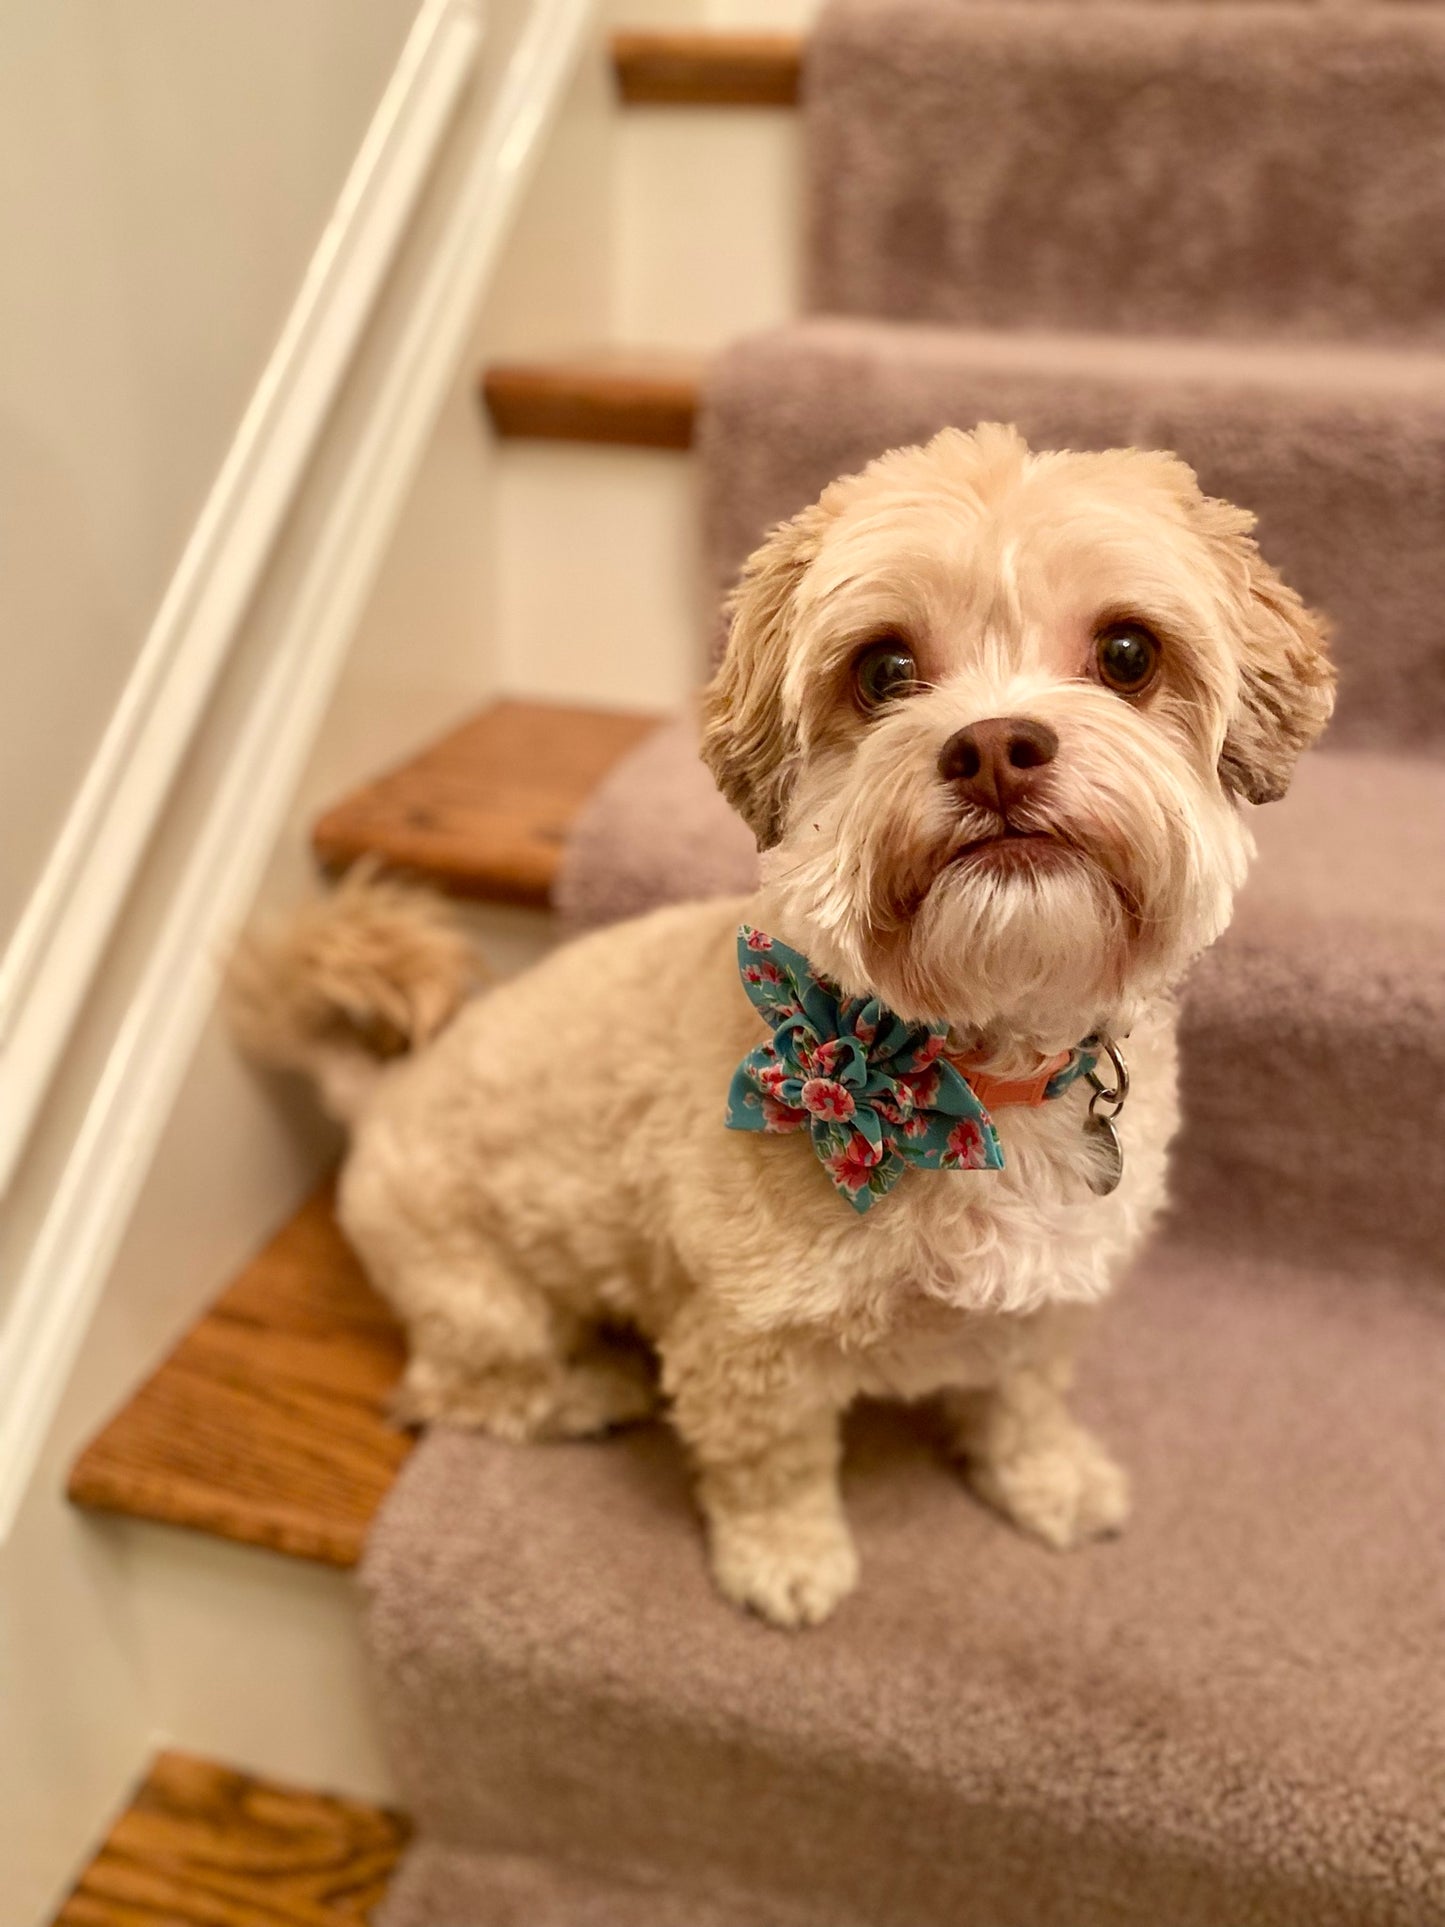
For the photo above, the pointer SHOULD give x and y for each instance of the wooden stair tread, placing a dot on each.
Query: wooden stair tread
(623, 399)
(485, 811)
(266, 1424)
(202, 1845)
(698, 68)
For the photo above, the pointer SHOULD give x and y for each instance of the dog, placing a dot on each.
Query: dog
(992, 715)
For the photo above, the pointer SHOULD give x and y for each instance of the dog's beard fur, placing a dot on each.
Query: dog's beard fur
(1022, 946)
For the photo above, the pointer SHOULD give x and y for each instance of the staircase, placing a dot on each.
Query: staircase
(1097, 222)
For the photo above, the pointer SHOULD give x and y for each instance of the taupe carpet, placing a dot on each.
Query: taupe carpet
(1233, 1717)
(1131, 169)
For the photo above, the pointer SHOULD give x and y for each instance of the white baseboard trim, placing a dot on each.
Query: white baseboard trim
(90, 1207)
(49, 963)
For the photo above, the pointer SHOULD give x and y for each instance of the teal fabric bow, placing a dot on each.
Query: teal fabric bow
(875, 1092)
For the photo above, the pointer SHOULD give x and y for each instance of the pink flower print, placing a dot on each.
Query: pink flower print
(759, 940)
(888, 1110)
(850, 1168)
(922, 1087)
(965, 1144)
(915, 1126)
(825, 1057)
(781, 1117)
(864, 1031)
(928, 1052)
(823, 1097)
(752, 974)
(771, 1079)
(769, 973)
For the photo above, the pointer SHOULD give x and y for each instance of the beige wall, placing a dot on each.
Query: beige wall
(166, 169)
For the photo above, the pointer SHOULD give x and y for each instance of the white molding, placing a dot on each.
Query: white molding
(93, 1200)
(48, 965)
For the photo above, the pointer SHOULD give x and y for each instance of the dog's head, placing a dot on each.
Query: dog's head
(990, 715)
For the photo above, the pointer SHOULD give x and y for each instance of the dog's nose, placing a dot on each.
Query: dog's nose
(996, 763)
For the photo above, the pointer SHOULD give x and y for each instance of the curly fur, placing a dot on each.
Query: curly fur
(349, 982)
(554, 1167)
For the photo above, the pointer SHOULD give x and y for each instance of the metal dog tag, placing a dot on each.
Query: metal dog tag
(1106, 1152)
(1099, 1127)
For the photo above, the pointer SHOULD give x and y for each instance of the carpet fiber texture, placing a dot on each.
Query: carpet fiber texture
(1230, 1715)
(1131, 169)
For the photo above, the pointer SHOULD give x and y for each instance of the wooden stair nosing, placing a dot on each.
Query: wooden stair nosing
(633, 403)
(267, 1424)
(200, 1844)
(698, 68)
(485, 811)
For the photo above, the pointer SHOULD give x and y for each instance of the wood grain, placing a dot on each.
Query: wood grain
(701, 69)
(267, 1424)
(485, 812)
(202, 1846)
(628, 401)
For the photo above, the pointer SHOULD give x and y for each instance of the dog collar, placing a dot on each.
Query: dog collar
(878, 1095)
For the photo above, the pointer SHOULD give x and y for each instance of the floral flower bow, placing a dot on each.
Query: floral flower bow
(875, 1092)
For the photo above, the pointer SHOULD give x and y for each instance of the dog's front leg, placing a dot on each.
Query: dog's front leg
(762, 1428)
(1027, 1456)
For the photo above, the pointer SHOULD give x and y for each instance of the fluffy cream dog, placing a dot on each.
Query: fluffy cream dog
(991, 715)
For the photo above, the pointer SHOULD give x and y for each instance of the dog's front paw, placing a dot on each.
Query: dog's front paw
(791, 1568)
(1065, 1492)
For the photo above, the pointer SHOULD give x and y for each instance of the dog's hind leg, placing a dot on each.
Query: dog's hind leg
(490, 1350)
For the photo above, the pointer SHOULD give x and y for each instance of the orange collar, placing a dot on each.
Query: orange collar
(992, 1092)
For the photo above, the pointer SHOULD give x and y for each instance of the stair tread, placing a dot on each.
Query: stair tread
(201, 1843)
(1077, 1713)
(629, 397)
(701, 67)
(1408, 369)
(650, 398)
(267, 1424)
(485, 811)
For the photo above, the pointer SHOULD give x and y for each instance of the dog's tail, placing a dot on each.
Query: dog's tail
(359, 978)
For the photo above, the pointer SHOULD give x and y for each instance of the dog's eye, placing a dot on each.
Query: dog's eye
(1127, 657)
(885, 669)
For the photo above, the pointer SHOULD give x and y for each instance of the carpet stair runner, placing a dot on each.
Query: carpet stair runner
(1233, 1714)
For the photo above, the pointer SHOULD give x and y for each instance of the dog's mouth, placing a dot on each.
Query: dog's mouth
(1014, 848)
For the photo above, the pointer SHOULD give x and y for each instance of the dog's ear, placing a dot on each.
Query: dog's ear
(1286, 677)
(749, 740)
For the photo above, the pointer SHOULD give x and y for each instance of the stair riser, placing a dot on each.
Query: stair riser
(1348, 482)
(1132, 169)
(599, 594)
(709, 204)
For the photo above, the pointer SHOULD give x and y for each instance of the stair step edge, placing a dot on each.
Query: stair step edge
(484, 812)
(702, 68)
(198, 1836)
(636, 400)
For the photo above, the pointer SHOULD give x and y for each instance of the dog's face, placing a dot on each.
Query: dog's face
(990, 715)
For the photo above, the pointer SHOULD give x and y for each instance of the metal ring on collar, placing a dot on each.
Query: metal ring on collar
(1113, 1095)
